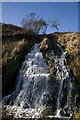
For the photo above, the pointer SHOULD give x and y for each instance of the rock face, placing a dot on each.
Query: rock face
(16, 43)
(71, 43)
(46, 46)
(9, 29)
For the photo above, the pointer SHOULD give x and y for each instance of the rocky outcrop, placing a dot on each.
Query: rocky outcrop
(11, 62)
(46, 46)
(14, 49)
(70, 42)
(9, 29)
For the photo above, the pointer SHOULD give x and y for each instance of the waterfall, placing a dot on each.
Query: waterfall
(34, 88)
(63, 78)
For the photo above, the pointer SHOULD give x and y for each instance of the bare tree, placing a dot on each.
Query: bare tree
(55, 24)
(42, 25)
(33, 23)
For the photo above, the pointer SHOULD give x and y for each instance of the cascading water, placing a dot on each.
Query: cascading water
(34, 88)
(64, 78)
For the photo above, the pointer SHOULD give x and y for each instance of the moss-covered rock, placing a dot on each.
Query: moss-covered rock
(45, 44)
(70, 41)
(12, 62)
(16, 43)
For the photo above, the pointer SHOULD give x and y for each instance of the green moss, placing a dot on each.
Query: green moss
(68, 51)
(45, 44)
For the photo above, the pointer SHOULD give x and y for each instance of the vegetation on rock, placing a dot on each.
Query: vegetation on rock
(46, 46)
(70, 42)
(14, 49)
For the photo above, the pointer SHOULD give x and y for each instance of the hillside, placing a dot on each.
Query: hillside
(16, 43)
(9, 29)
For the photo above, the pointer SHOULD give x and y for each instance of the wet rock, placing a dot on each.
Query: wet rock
(45, 44)
(70, 41)
(47, 111)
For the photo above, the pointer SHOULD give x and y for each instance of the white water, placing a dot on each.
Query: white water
(34, 77)
(63, 75)
(34, 88)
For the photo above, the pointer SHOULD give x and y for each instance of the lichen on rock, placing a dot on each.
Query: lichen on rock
(45, 44)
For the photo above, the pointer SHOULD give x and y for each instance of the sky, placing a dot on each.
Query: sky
(66, 13)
